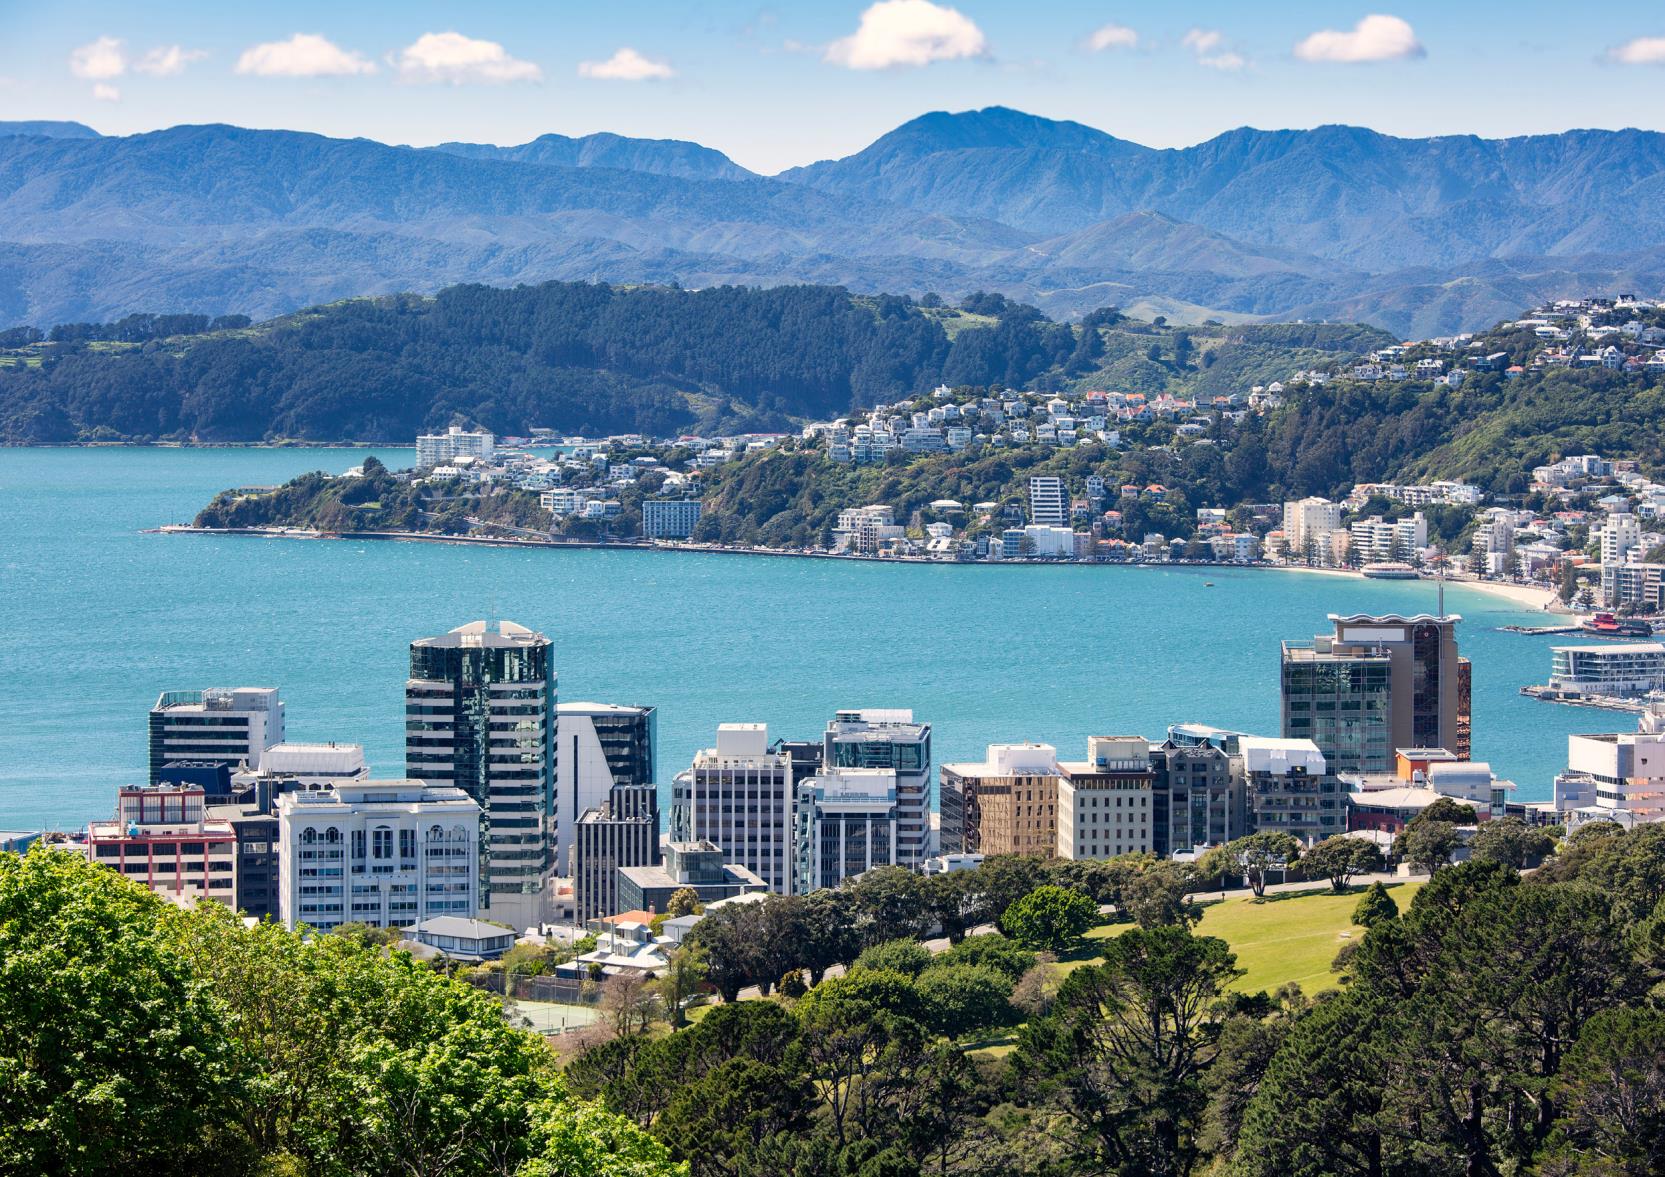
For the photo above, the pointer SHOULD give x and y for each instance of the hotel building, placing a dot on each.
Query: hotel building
(164, 838)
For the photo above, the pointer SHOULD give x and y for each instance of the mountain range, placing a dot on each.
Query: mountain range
(1416, 235)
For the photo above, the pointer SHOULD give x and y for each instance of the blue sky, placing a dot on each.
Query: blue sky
(775, 85)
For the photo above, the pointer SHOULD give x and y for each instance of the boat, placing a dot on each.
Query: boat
(1605, 625)
(1389, 570)
(1208, 584)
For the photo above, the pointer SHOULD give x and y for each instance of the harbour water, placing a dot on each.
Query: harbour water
(97, 618)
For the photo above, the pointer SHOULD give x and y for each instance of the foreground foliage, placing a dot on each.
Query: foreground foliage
(134, 1035)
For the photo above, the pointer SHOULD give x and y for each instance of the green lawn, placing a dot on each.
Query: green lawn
(1278, 939)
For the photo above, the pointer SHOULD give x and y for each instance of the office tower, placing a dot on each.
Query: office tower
(441, 449)
(602, 745)
(256, 848)
(738, 796)
(1289, 788)
(875, 737)
(1105, 802)
(622, 831)
(386, 853)
(846, 824)
(163, 838)
(669, 518)
(480, 715)
(232, 727)
(1005, 804)
(1048, 504)
(1376, 684)
(1195, 800)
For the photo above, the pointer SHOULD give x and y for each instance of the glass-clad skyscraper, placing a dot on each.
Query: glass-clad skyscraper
(480, 715)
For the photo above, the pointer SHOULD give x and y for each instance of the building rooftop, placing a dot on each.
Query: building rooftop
(461, 927)
(478, 635)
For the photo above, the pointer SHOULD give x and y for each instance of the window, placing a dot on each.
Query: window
(309, 836)
(381, 842)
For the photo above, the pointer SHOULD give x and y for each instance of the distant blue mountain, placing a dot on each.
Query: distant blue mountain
(659, 157)
(47, 128)
(1418, 235)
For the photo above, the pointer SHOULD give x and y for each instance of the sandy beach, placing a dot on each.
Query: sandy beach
(1528, 596)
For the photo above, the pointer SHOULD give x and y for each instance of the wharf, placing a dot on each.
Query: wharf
(1548, 694)
(1538, 629)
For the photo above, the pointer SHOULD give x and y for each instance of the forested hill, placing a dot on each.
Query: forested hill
(592, 359)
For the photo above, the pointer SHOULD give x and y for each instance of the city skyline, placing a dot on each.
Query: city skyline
(423, 74)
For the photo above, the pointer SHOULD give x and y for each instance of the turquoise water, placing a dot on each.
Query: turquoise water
(96, 619)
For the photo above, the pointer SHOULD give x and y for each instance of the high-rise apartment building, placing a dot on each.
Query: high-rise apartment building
(1375, 684)
(601, 746)
(1048, 502)
(1620, 535)
(441, 449)
(670, 518)
(480, 716)
(845, 824)
(385, 853)
(1105, 803)
(229, 726)
(874, 737)
(1309, 521)
(622, 831)
(1004, 804)
(738, 797)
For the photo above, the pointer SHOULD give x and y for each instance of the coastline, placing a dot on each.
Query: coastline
(1525, 595)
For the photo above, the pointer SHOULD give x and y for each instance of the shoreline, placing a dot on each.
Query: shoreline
(1534, 599)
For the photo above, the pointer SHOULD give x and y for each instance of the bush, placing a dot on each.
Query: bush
(1374, 906)
(960, 999)
(997, 952)
(1049, 919)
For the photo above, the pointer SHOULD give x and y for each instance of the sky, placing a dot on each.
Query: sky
(782, 84)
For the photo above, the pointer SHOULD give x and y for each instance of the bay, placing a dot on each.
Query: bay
(97, 618)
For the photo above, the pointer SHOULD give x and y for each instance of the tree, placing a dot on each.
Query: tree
(729, 938)
(1126, 1048)
(683, 901)
(1252, 856)
(993, 950)
(1374, 906)
(828, 932)
(1448, 810)
(961, 999)
(1339, 858)
(891, 903)
(114, 1057)
(908, 957)
(1510, 840)
(1049, 919)
(1158, 896)
(1611, 1089)
(1427, 845)
(681, 981)
(714, 1121)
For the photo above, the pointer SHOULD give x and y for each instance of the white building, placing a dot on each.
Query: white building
(669, 518)
(1048, 504)
(1310, 519)
(1625, 771)
(386, 853)
(1608, 668)
(738, 796)
(443, 449)
(890, 739)
(845, 825)
(1050, 541)
(1620, 534)
(1104, 802)
(233, 727)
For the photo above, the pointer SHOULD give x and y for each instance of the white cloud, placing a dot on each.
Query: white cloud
(105, 92)
(908, 32)
(1112, 36)
(98, 60)
(165, 61)
(1374, 38)
(1640, 51)
(1209, 45)
(626, 66)
(454, 58)
(305, 55)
